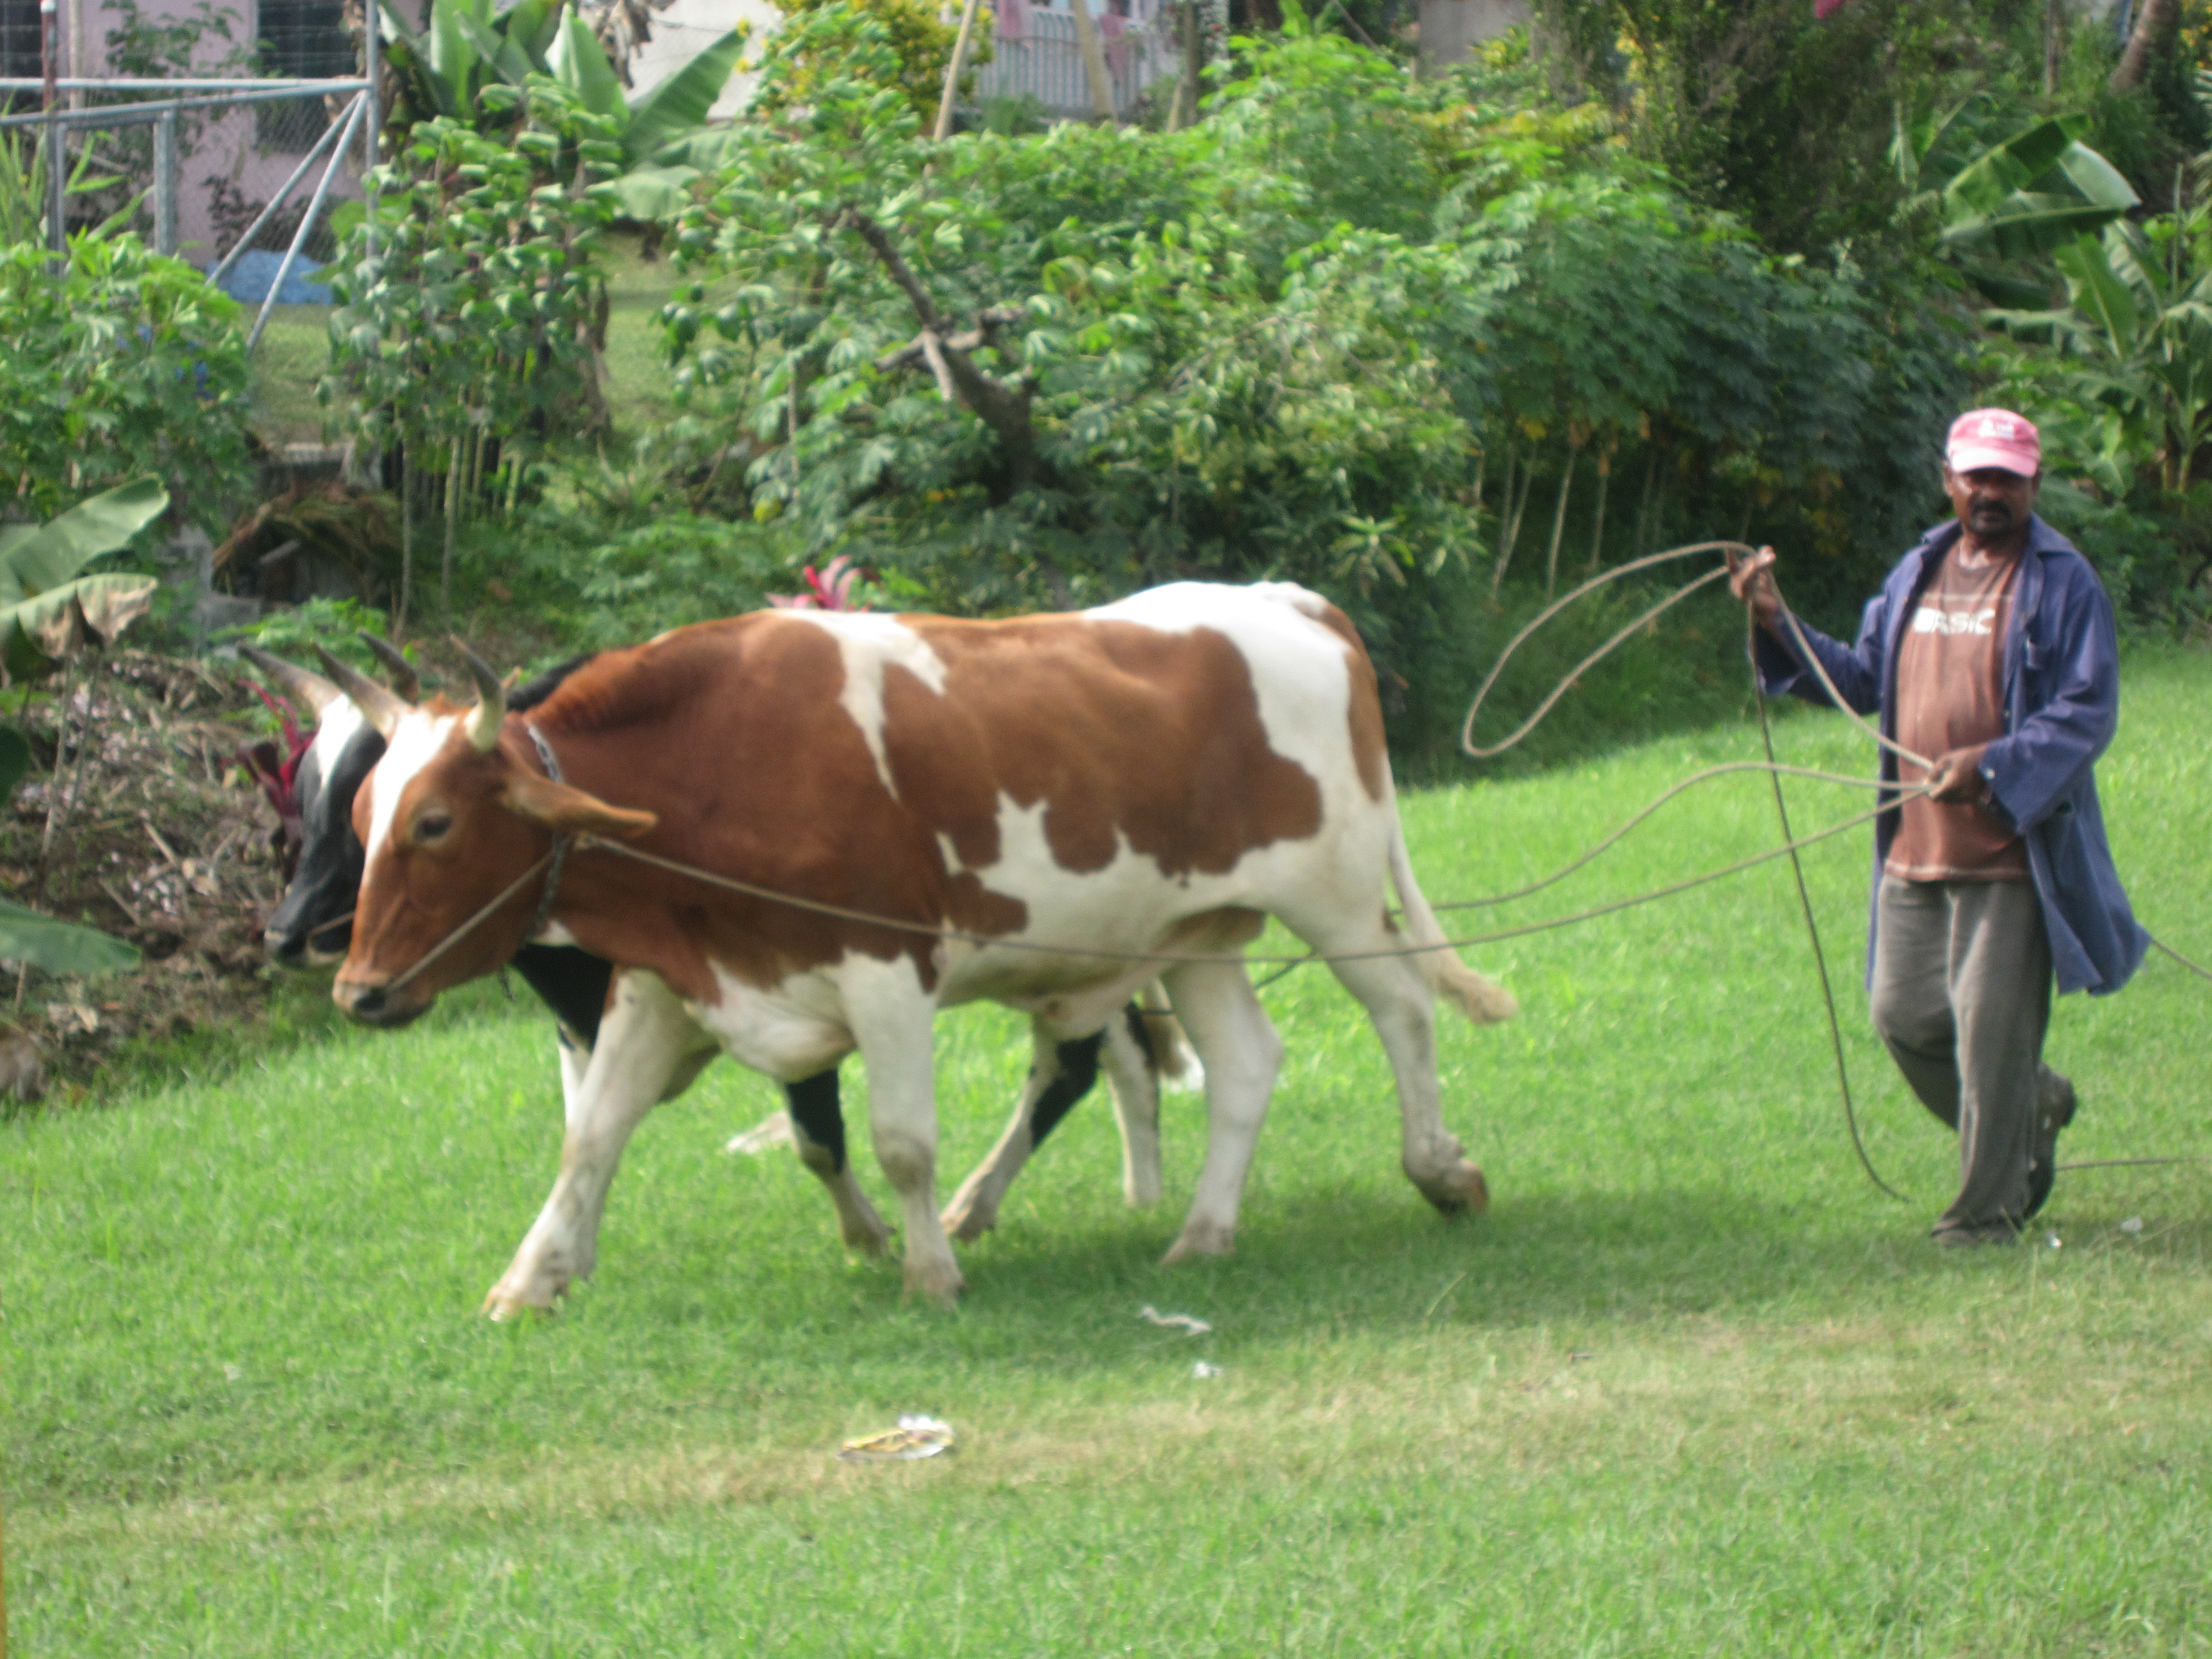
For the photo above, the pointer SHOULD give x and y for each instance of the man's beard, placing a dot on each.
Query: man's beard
(1992, 518)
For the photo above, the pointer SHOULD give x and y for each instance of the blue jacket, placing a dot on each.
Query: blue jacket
(2062, 697)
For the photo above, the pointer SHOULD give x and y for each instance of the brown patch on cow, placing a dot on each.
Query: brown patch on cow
(1120, 731)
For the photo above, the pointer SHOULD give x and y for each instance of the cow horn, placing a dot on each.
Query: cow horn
(404, 680)
(378, 706)
(292, 680)
(491, 702)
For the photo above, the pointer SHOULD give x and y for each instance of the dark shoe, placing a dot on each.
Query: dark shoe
(2054, 1110)
(1969, 1236)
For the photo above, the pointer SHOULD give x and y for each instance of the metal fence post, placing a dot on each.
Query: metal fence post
(372, 39)
(57, 162)
(166, 182)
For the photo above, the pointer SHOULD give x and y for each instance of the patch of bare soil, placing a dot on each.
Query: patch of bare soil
(158, 834)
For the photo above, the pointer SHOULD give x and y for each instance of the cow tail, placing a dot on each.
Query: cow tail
(1482, 1000)
(1167, 1049)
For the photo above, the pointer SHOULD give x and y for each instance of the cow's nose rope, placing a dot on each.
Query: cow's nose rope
(466, 928)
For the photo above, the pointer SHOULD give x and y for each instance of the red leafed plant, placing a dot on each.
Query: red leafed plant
(829, 589)
(277, 770)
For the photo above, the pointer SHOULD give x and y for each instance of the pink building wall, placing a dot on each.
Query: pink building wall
(253, 153)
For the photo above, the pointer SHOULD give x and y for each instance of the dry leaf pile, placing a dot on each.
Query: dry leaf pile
(158, 836)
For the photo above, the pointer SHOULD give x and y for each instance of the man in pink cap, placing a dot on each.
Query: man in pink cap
(1991, 651)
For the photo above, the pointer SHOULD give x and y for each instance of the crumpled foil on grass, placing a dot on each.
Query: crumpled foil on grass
(916, 1435)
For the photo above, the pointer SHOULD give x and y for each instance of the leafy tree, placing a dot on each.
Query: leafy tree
(473, 336)
(921, 43)
(1057, 366)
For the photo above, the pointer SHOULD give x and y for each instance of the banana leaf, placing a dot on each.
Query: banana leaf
(579, 63)
(453, 57)
(442, 91)
(532, 25)
(59, 947)
(506, 58)
(52, 553)
(2098, 179)
(2006, 291)
(2100, 293)
(682, 101)
(2024, 224)
(46, 609)
(2015, 164)
(647, 193)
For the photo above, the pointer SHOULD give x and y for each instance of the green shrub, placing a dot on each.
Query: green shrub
(477, 318)
(677, 570)
(126, 364)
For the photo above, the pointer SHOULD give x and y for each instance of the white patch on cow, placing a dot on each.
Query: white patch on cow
(412, 747)
(342, 722)
(788, 1031)
(1301, 674)
(867, 644)
(554, 932)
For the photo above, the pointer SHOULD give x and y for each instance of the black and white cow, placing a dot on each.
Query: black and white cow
(312, 925)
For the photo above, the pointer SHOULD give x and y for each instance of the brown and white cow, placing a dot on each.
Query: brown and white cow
(1153, 778)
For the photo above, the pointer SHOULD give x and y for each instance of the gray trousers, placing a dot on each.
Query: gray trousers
(1962, 998)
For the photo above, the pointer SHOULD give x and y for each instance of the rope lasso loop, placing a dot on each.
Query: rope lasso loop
(1467, 726)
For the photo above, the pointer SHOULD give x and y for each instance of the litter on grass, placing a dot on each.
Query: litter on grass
(916, 1435)
(1202, 1369)
(2053, 1240)
(1190, 1323)
(2132, 1225)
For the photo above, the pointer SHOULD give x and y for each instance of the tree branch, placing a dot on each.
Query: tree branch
(1003, 408)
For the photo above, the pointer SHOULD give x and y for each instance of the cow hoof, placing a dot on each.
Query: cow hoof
(1458, 1189)
(937, 1282)
(869, 1235)
(501, 1305)
(1201, 1238)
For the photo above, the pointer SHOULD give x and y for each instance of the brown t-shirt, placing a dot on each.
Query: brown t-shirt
(1950, 694)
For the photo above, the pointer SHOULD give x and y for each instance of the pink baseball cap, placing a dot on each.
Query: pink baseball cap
(1994, 437)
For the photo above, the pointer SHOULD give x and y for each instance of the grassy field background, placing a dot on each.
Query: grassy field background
(1691, 1386)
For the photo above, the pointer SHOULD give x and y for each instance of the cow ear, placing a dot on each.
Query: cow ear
(557, 807)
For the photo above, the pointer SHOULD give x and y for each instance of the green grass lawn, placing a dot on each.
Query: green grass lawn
(1692, 1387)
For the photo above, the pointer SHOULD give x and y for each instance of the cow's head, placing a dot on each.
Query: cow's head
(313, 921)
(452, 816)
